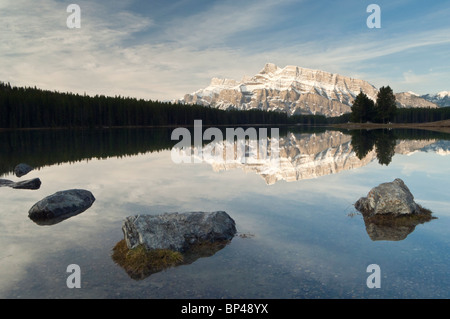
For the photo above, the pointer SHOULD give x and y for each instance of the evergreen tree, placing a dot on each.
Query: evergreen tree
(386, 106)
(362, 109)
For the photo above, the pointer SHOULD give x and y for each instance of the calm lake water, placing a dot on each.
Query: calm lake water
(299, 235)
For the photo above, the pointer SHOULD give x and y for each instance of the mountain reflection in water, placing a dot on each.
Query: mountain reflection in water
(304, 152)
(311, 155)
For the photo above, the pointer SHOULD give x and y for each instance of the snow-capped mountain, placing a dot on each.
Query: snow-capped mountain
(411, 99)
(291, 89)
(442, 98)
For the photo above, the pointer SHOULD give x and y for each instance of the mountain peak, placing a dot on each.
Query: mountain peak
(292, 89)
(269, 68)
(443, 94)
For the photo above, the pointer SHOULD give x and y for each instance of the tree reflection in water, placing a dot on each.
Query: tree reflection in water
(384, 141)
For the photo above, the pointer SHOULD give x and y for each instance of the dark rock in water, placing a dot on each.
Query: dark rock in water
(31, 184)
(392, 198)
(22, 169)
(60, 206)
(177, 231)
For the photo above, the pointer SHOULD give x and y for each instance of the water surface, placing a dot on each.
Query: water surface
(299, 234)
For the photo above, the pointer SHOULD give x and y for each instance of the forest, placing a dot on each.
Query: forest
(31, 107)
(36, 108)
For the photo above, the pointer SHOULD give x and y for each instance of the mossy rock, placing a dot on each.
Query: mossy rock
(140, 262)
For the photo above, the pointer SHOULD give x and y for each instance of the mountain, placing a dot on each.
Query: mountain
(411, 99)
(442, 98)
(292, 89)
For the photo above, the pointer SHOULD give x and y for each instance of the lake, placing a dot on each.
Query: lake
(299, 235)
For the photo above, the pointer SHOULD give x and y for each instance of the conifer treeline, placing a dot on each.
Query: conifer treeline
(25, 107)
(422, 115)
(36, 108)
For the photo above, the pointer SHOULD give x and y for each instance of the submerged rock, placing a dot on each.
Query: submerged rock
(31, 184)
(177, 231)
(60, 206)
(392, 198)
(139, 263)
(22, 169)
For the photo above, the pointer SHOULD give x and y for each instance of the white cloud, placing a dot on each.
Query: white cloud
(112, 54)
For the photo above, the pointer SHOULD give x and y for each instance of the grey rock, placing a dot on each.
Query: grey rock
(60, 206)
(388, 198)
(31, 184)
(22, 169)
(177, 231)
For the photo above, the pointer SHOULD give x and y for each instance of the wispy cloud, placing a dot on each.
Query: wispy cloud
(121, 50)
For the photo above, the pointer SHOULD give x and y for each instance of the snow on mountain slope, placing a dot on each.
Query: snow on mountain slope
(442, 98)
(291, 89)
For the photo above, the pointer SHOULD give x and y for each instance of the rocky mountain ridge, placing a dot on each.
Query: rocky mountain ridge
(442, 99)
(410, 99)
(294, 90)
(291, 89)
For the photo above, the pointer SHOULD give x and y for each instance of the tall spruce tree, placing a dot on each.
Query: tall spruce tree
(362, 109)
(386, 106)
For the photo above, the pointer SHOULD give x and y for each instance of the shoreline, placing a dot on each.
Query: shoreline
(441, 126)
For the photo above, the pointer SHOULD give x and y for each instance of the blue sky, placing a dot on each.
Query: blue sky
(164, 49)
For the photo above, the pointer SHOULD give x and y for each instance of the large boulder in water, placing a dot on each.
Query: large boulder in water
(60, 206)
(393, 198)
(177, 231)
(390, 212)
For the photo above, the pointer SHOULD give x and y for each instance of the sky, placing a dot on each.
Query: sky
(162, 50)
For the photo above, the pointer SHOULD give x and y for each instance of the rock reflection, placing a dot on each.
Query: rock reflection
(140, 264)
(49, 221)
(393, 228)
(31, 184)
